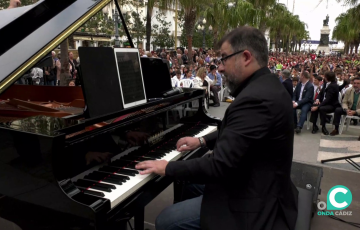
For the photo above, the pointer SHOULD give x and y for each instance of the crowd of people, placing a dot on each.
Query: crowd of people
(320, 85)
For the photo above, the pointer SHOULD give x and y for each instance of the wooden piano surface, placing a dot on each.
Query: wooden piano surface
(21, 101)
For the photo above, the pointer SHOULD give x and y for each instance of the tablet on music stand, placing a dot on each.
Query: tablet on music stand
(130, 76)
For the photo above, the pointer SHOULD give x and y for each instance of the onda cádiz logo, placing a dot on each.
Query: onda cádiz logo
(339, 198)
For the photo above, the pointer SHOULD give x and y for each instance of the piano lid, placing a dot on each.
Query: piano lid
(30, 33)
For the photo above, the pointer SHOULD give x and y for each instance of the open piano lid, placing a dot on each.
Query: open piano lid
(30, 33)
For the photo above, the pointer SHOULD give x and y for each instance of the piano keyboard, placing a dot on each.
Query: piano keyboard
(119, 179)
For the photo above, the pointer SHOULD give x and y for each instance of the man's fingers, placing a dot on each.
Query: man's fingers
(183, 148)
(144, 165)
(147, 171)
(181, 141)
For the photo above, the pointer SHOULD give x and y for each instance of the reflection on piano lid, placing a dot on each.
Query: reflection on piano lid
(46, 178)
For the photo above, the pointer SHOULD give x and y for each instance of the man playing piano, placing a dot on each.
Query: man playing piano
(247, 177)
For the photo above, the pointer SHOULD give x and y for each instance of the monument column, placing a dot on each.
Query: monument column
(324, 37)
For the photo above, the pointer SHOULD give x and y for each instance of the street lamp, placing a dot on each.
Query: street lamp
(201, 27)
(279, 45)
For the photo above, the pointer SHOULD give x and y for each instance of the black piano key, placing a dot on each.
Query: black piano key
(127, 172)
(89, 192)
(101, 175)
(136, 158)
(95, 183)
(130, 165)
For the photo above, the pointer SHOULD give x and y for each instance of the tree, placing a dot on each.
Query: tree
(162, 32)
(149, 12)
(98, 24)
(347, 29)
(137, 27)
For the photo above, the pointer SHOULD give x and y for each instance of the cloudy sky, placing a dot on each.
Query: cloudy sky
(314, 15)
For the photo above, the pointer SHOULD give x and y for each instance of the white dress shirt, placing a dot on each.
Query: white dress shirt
(302, 89)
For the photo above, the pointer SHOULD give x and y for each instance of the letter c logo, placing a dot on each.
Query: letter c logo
(332, 198)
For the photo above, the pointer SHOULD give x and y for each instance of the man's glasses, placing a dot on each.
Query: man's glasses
(223, 60)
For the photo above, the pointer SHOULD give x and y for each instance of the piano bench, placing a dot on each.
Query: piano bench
(305, 205)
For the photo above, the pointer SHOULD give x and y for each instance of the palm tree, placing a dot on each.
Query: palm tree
(347, 29)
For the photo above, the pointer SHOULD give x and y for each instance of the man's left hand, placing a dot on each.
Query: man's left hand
(157, 167)
(351, 113)
(295, 105)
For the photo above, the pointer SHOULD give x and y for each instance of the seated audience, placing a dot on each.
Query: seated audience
(327, 102)
(216, 77)
(295, 81)
(350, 105)
(287, 82)
(302, 99)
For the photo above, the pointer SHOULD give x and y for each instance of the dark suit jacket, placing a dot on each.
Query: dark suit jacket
(331, 96)
(288, 86)
(247, 176)
(307, 95)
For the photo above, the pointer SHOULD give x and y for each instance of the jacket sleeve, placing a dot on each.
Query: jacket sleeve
(210, 139)
(227, 158)
(308, 97)
(332, 94)
(344, 103)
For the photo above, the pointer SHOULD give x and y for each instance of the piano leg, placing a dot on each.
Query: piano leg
(139, 219)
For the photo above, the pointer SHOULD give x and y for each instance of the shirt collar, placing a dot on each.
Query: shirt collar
(258, 73)
(305, 83)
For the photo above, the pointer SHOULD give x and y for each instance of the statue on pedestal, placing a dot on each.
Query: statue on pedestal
(326, 21)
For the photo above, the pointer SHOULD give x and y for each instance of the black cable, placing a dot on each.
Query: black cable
(357, 225)
(130, 225)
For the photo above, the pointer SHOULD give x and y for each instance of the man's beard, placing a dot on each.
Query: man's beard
(232, 82)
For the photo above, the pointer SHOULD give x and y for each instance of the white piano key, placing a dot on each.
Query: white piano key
(130, 186)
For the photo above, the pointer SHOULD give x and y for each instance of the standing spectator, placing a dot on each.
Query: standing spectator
(185, 57)
(302, 99)
(287, 82)
(50, 74)
(350, 105)
(216, 77)
(73, 64)
(327, 101)
(57, 67)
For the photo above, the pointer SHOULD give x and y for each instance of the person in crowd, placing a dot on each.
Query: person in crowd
(287, 82)
(295, 82)
(201, 82)
(302, 99)
(350, 105)
(233, 190)
(57, 66)
(177, 78)
(73, 64)
(317, 86)
(327, 102)
(14, 4)
(72, 83)
(216, 87)
(185, 57)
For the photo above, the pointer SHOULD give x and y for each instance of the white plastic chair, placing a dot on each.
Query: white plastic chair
(186, 83)
(346, 119)
(174, 81)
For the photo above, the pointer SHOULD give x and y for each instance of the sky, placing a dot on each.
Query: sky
(313, 16)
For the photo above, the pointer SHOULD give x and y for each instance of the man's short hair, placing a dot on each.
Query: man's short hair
(356, 79)
(286, 73)
(295, 79)
(248, 38)
(318, 78)
(178, 72)
(330, 76)
(306, 74)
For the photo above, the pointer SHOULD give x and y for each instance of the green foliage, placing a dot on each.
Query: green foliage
(162, 32)
(98, 24)
(137, 26)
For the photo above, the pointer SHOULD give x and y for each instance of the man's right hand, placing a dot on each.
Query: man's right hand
(14, 4)
(187, 144)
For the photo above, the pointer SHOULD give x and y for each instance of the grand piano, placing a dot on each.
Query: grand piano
(60, 168)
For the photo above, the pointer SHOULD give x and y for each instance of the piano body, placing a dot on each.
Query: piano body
(60, 169)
